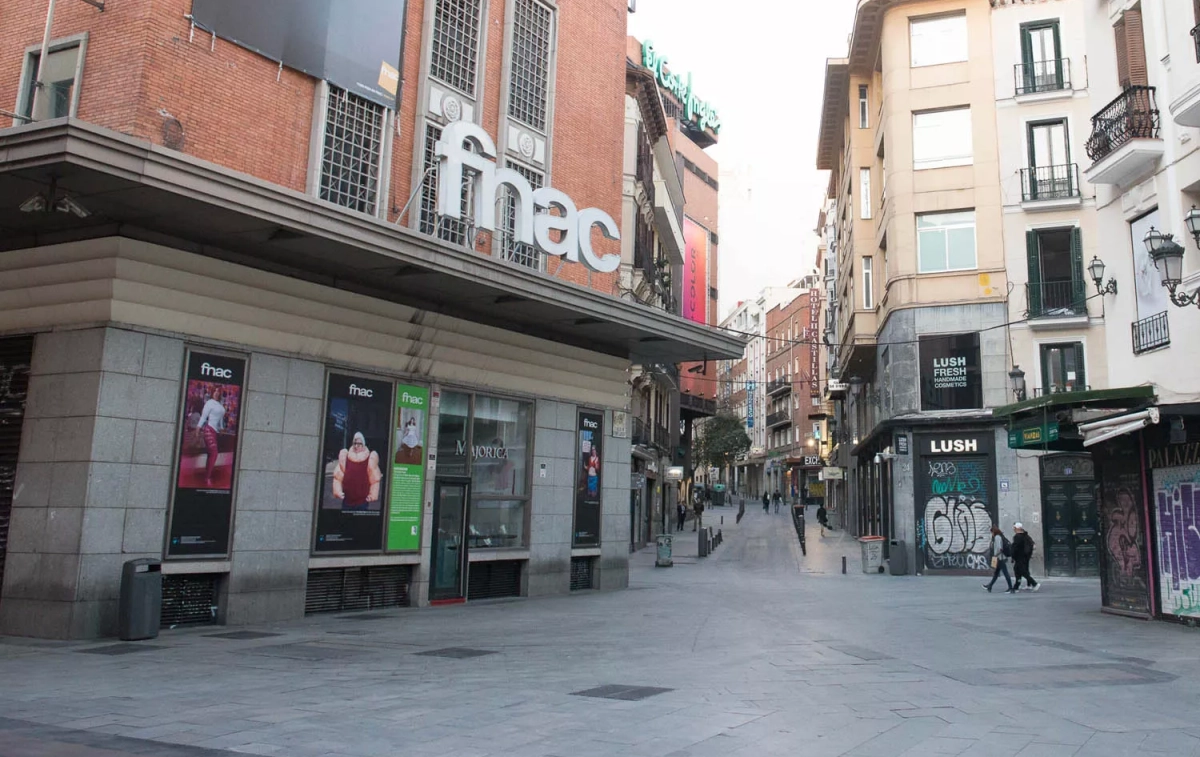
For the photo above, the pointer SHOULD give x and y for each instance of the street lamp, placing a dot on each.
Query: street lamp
(1192, 221)
(1018, 381)
(1096, 269)
(1168, 259)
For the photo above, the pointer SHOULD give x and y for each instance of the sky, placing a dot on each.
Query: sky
(762, 64)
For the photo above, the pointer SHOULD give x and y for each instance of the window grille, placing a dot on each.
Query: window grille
(529, 82)
(455, 43)
(353, 149)
(453, 230)
(510, 249)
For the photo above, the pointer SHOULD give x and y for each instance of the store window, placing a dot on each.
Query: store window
(946, 241)
(60, 98)
(942, 138)
(938, 40)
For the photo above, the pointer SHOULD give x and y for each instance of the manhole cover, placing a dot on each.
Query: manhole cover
(456, 653)
(241, 635)
(115, 649)
(621, 691)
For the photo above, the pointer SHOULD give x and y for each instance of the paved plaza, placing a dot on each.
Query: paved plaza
(753, 651)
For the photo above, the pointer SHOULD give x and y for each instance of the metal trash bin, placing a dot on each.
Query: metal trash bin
(664, 551)
(872, 553)
(897, 558)
(139, 609)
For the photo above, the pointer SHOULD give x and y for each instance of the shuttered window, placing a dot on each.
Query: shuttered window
(1131, 50)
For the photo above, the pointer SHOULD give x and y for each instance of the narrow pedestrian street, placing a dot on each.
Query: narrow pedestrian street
(755, 650)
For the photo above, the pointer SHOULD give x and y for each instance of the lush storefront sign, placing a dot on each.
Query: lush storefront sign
(699, 112)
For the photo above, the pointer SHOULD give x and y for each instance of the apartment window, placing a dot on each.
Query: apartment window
(946, 241)
(453, 230)
(942, 138)
(864, 192)
(1131, 50)
(937, 40)
(510, 249)
(868, 284)
(1056, 282)
(864, 116)
(1062, 368)
(1051, 174)
(455, 43)
(529, 77)
(353, 151)
(1041, 58)
(816, 401)
(60, 98)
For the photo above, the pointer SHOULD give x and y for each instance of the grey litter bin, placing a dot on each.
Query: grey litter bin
(898, 558)
(664, 551)
(872, 553)
(140, 606)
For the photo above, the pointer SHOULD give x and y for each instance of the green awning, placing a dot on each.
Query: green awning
(1124, 397)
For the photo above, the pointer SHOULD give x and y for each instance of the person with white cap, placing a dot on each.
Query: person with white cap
(356, 479)
(1022, 551)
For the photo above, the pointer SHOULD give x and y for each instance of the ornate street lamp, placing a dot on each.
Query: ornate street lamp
(1018, 381)
(1192, 221)
(1168, 259)
(1096, 269)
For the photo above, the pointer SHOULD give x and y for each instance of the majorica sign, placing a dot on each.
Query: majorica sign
(534, 221)
(703, 114)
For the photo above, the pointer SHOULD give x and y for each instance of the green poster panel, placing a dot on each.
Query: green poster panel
(408, 469)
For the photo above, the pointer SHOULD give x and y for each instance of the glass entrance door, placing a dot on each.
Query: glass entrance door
(449, 559)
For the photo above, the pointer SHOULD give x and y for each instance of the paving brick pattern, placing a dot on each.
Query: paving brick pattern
(754, 651)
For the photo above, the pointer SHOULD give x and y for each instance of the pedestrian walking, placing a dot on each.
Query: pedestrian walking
(1001, 551)
(822, 518)
(680, 515)
(699, 515)
(778, 500)
(1022, 552)
(766, 503)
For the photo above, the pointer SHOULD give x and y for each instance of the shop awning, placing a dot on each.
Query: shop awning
(134, 189)
(1058, 421)
(1114, 399)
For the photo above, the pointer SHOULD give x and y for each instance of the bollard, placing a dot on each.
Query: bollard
(722, 520)
(843, 565)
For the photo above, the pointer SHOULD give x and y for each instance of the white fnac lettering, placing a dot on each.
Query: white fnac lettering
(207, 369)
(590, 424)
(406, 397)
(358, 391)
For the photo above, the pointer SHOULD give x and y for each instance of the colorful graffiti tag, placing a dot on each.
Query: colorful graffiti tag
(953, 532)
(1124, 580)
(1177, 509)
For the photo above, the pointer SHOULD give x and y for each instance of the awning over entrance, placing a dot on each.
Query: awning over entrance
(1058, 421)
(133, 189)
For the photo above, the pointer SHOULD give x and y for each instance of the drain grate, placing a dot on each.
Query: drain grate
(116, 649)
(582, 573)
(241, 635)
(456, 653)
(621, 691)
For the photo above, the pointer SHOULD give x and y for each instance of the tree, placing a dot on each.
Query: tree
(721, 439)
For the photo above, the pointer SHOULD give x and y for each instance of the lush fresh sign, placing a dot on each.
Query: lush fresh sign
(567, 234)
(702, 113)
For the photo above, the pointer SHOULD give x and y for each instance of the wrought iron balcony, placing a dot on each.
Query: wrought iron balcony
(1042, 76)
(662, 437)
(1132, 115)
(641, 433)
(697, 405)
(1151, 333)
(780, 418)
(779, 385)
(1050, 182)
(1051, 299)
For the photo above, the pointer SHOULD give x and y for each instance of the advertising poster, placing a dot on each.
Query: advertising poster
(408, 469)
(695, 271)
(951, 378)
(354, 449)
(354, 44)
(589, 456)
(202, 506)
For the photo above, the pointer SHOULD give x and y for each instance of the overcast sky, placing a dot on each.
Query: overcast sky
(762, 65)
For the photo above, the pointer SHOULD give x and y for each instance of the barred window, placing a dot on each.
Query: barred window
(510, 249)
(453, 230)
(352, 153)
(455, 43)
(529, 80)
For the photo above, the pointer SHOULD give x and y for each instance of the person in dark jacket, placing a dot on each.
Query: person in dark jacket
(766, 502)
(822, 518)
(999, 561)
(1022, 551)
(680, 515)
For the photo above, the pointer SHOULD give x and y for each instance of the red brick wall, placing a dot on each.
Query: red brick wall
(239, 111)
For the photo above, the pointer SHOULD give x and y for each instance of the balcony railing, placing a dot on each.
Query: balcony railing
(1050, 182)
(662, 437)
(1049, 299)
(1042, 76)
(779, 385)
(1196, 39)
(1133, 115)
(779, 418)
(698, 405)
(1151, 333)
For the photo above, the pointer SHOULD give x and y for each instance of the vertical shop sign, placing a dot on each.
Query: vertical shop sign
(589, 457)
(1177, 512)
(695, 271)
(358, 430)
(205, 461)
(408, 470)
(814, 354)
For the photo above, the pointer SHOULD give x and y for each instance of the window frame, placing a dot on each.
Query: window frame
(930, 163)
(974, 239)
(1030, 126)
(27, 78)
(864, 193)
(481, 29)
(915, 21)
(1044, 349)
(868, 274)
(551, 73)
(864, 107)
(320, 130)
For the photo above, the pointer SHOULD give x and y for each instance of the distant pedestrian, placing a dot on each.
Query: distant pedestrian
(680, 515)
(1022, 552)
(1001, 550)
(766, 503)
(778, 501)
(822, 518)
(699, 515)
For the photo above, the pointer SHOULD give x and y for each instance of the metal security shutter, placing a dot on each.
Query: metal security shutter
(365, 588)
(15, 356)
(582, 573)
(493, 580)
(189, 600)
